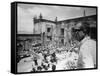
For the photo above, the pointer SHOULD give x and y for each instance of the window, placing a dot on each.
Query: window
(48, 29)
(62, 41)
(62, 31)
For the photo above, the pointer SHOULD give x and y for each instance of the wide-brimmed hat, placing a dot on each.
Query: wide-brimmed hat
(81, 26)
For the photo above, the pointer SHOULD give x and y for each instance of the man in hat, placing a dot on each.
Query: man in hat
(87, 48)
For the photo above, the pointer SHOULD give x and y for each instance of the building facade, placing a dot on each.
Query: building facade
(59, 31)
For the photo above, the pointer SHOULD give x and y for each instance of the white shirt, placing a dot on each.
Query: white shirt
(40, 60)
(88, 52)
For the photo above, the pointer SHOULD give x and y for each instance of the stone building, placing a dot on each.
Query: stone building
(59, 31)
(26, 41)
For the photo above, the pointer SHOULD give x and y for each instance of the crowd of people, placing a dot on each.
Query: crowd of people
(51, 58)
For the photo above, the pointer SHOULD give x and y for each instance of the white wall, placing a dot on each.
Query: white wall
(5, 38)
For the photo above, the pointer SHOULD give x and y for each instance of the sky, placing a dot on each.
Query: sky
(26, 12)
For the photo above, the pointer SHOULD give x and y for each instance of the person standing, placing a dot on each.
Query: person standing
(87, 49)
